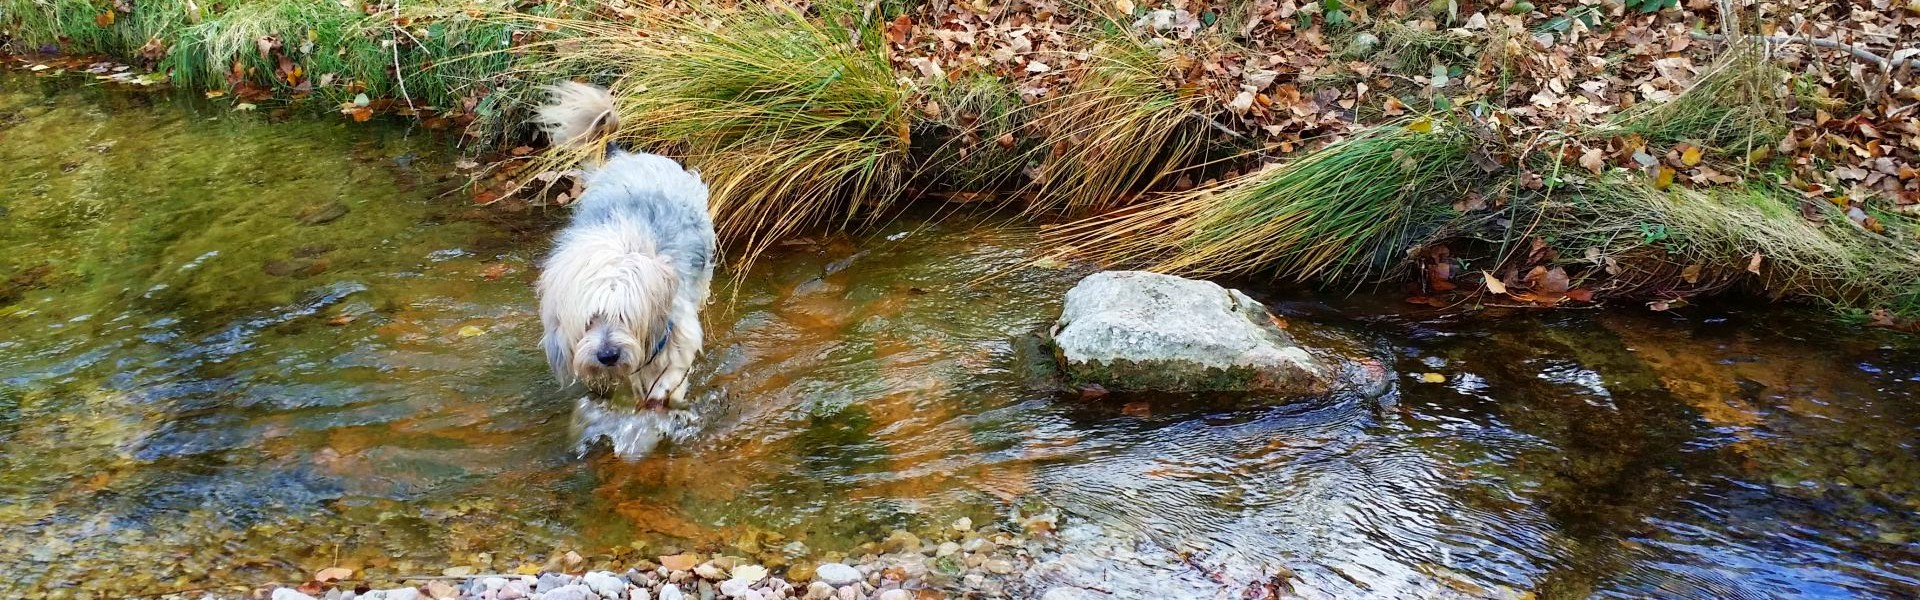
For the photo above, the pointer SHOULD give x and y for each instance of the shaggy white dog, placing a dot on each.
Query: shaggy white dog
(620, 296)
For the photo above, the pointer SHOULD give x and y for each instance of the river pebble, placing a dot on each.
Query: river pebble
(605, 584)
(836, 574)
(818, 590)
(570, 592)
(982, 561)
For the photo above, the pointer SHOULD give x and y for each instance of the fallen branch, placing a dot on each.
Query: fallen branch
(1885, 64)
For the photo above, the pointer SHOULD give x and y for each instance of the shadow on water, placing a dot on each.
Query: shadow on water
(237, 350)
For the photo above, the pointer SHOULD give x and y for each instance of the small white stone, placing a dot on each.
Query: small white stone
(895, 594)
(848, 593)
(750, 573)
(405, 593)
(289, 594)
(836, 574)
(671, 592)
(708, 570)
(947, 548)
(963, 524)
(604, 584)
(638, 594)
(818, 590)
(493, 583)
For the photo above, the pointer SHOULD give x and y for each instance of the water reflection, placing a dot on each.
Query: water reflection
(211, 373)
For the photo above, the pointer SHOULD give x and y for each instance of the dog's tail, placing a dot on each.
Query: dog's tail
(577, 115)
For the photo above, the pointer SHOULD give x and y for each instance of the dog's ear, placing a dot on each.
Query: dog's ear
(559, 357)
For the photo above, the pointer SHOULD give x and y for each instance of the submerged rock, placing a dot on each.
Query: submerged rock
(1140, 331)
(321, 214)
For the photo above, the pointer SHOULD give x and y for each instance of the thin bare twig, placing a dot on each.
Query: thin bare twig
(1864, 54)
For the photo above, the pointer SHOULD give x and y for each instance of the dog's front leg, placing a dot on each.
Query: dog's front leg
(670, 388)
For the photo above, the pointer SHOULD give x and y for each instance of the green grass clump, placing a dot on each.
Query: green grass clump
(1348, 211)
(794, 121)
(421, 54)
(1126, 126)
(1739, 105)
(1656, 236)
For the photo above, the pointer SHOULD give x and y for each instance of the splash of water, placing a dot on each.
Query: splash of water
(630, 433)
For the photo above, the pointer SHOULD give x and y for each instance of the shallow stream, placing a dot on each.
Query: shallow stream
(238, 347)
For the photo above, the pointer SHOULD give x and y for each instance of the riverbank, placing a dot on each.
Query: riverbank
(1473, 154)
(955, 561)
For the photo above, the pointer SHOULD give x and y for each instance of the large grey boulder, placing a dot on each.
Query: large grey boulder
(1140, 331)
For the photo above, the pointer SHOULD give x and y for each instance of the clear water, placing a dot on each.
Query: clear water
(211, 375)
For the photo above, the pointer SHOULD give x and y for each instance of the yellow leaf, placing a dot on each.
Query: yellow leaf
(1493, 283)
(1690, 156)
(1691, 273)
(333, 574)
(1663, 178)
(1753, 264)
(1432, 378)
(1422, 125)
(216, 93)
(471, 330)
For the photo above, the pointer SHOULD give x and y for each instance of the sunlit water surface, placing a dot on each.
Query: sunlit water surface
(237, 348)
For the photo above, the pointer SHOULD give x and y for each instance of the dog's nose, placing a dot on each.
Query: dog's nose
(608, 356)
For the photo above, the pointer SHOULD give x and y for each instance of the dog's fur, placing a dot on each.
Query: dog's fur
(620, 296)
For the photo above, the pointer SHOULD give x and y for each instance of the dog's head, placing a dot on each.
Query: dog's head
(603, 308)
(606, 353)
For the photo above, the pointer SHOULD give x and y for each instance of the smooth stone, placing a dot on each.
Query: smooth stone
(671, 592)
(639, 594)
(604, 584)
(461, 571)
(290, 594)
(836, 574)
(405, 593)
(516, 590)
(895, 594)
(1063, 593)
(947, 549)
(441, 590)
(818, 590)
(750, 573)
(553, 581)
(571, 592)
(1140, 331)
(963, 524)
(979, 546)
(493, 583)
(732, 588)
(847, 593)
(709, 571)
